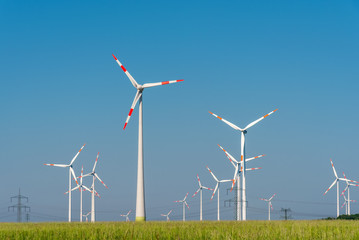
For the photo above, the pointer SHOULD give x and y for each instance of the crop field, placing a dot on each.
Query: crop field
(317, 229)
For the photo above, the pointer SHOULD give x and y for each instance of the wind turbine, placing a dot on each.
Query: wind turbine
(243, 163)
(86, 215)
(93, 191)
(183, 205)
(200, 198)
(269, 204)
(71, 172)
(217, 187)
(336, 181)
(346, 202)
(167, 215)
(126, 216)
(82, 188)
(349, 183)
(236, 176)
(140, 199)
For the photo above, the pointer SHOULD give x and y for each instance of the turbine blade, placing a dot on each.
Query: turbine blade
(186, 204)
(335, 172)
(215, 178)
(223, 181)
(250, 169)
(169, 213)
(137, 97)
(148, 85)
(73, 189)
(94, 166)
(229, 156)
(133, 81)
(73, 160)
(344, 190)
(272, 197)
(214, 192)
(74, 175)
(259, 119)
(56, 165)
(250, 159)
(185, 197)
(86, 188)
(82, 173)
(229, 123)
(196, 192)
(207, 188)
(100, 180)
(233, 182)
(199, 181)
(330, 186)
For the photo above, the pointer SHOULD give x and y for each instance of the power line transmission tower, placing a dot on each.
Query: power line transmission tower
(287, 214)
(235, 200)
(19, 206)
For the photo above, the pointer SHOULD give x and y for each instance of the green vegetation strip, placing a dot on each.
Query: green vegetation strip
(318, 229)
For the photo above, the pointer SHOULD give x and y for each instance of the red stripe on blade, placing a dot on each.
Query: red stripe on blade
(114, 57)
(123, 68)
(130, 113)
(167, 82)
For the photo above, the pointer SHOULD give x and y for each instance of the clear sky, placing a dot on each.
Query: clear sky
(61, 88)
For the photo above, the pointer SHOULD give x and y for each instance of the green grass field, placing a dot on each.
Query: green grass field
(318, 229)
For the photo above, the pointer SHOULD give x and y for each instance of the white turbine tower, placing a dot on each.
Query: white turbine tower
(93, 191)
(71, 172)
(243, 164)
(201, 187)
(215, 189)
(336, 181)
(140, 199)
(269, 204)
(183, 205)
(86, 215)
(236, 177)
(126, 216)
(82, 188)
(349, 183)
(167, 215)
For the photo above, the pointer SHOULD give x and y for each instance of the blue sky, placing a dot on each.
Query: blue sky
(61, 88)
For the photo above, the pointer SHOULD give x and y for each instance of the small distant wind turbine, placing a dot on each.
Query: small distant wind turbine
(126, 216)
(269, 204)
(349, 183)
(336, 181)
(140, 199)
(215, 189)
(94, 176)
(82, 188)
(243, 157)
(86, 215)
(183, 205)
(346, 202)
(167, 215)
(71, 172)
(200, 198)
